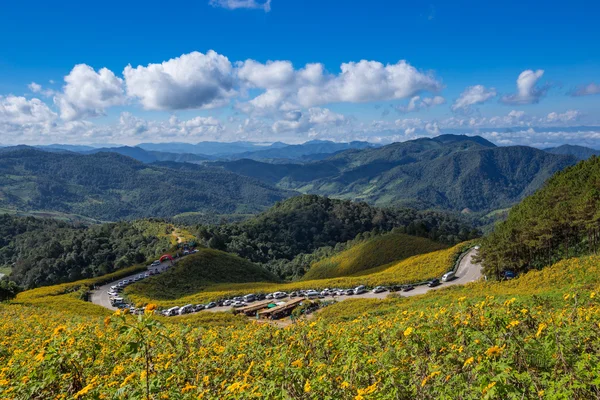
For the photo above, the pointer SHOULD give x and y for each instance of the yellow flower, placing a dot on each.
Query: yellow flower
(468, 362)
(488, 387)
(514, 323)
(149, 309)
(493, 351)
(541, 329)
(143, 376)
(408, 331)
(345, 385)
(307, 387)
(187, 388)
(83, 391)
(107, 321)
(592, 295)
(128, 379)
(297, 363)
(59, 329)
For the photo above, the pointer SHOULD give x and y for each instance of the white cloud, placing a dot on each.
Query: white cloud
(88, 93)
(20, 111)
(527, 91)
(302, 122)
(586, 90)
(237, 4)
(358, 82)
(192, 81)
(417, 103)
(34, 87)
(471, 96)
(567, 116)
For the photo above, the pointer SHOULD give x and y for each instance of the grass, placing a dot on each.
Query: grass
(196, 272)
(372, 253)
(5, 270)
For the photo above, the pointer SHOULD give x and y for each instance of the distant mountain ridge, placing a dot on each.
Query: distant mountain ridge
(581, 152)
(110, 186)
(455, 172)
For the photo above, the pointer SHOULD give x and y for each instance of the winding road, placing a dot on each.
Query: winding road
(467, 271)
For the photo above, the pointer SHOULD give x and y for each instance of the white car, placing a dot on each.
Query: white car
(155, 263)
(311, 293)
(238, 304)
(279, 295)
(448, 276)
(379, 289)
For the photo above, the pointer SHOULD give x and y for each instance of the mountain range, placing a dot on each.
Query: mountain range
(454, 172)
(109, 186)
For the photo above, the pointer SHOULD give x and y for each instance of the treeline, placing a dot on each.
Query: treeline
(306, 223)
(46, 251)
(560, 220)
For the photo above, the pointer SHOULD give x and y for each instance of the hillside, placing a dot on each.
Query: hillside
(303, 224)
(369, 254)
(310, 149)
(580, 152)
(43, 251)
(453, 172)
(197, 271)
(560, 220)
(108, 186)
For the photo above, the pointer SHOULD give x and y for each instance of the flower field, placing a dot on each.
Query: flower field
(533, 337)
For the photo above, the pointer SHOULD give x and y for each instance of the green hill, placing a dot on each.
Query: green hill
(453, 172)
(194, 272)
(559, 221)
(109, 186)
(371, 254)
(303, 224)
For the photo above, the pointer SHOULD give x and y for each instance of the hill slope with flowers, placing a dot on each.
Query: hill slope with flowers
(534, 337)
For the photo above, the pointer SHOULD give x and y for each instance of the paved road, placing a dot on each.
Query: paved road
(100, 295)
(467, 271)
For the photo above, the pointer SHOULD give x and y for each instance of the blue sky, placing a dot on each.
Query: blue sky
(462, 58)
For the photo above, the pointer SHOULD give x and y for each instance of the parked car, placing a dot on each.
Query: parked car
(269, 296)
(407, 288)
(349, 292)
(155, 263)
(433, 283)
(379, 289)
(311, 293)
(198, 307)
(227, 303)
(360, 289)
(238, 298)
(509, 275)
(172, 311)
(260, 296)
(238, 304)
(279, 295)
(186, 309)
(212, 304)
(249, 298)
(448, 276)
(293, 294)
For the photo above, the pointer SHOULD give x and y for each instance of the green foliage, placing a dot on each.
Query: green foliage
(561, 220)
(306, 223)
(109, 186)
(195, 272)
(8, 289)
(45, 251)
(369, 254)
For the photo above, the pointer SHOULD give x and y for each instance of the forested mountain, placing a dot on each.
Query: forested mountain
(208, 148)
(44, 251)
(582, 153)
(453, 172)
(560, 220)
(306, 223)
(109, 186)
(146, 156)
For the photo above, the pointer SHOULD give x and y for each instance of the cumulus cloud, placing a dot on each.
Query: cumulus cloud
(417, 103)
(237, 4)
(34, 87)
(568, 116)
(471, 96)
(191, 81)
(20, 111)
(586, 90)
(527, 90)
(88, 93)
(301, 122)
(286, 88)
